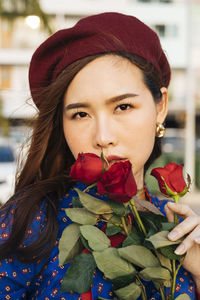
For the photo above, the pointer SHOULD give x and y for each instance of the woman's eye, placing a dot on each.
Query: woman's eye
(79, 115)
(124, 106)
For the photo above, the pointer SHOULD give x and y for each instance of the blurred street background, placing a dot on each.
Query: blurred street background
(24, 24)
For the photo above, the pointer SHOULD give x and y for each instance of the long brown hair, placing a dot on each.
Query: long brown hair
(44, 176)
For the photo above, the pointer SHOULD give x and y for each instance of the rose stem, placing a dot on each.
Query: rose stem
(108, 221)
(162, 294)
(135, 212)
(174, 278)
(89, 187)
(124, 225)
(175, 272)
(144, 295)
(176, 200)
(104, 160)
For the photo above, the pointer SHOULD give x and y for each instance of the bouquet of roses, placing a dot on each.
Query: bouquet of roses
(133, 246)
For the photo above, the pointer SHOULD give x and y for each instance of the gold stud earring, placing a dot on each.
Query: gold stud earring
(160, 130)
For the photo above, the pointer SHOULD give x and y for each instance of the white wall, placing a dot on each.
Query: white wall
(66, 13)
(150, 13)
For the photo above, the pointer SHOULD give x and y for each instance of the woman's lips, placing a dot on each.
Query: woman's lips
(115, 158)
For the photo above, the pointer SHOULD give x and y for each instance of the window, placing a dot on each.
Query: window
(6, 154)
(169, 30)
(161, 29)
(166, 1)
(5, 77)
(6, 33)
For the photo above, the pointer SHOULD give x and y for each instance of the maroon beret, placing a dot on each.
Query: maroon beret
(102, 33)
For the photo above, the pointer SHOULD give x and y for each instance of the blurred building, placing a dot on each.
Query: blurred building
(19, 39)
(175, 21)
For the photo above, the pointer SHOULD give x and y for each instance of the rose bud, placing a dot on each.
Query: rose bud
(170, 179)
(88, 168)
(118, 182)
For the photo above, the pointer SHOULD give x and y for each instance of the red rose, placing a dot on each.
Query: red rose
(87, 168)
(118, 182)
(170, 179)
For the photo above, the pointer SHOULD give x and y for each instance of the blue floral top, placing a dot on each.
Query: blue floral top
(21, 280)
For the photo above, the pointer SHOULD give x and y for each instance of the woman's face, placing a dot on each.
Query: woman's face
(107, 107)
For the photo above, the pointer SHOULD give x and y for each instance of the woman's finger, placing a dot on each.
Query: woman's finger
(169, 214)
(189, 241)
(181, 209)
(189, 224)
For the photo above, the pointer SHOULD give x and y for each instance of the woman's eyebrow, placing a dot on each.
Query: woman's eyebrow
(120, 97)
(76, 105)
(108, 101)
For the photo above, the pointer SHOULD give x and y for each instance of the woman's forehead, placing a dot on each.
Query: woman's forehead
(99, 70)
(106, 77)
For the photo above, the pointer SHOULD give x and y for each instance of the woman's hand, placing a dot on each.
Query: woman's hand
(191, 244)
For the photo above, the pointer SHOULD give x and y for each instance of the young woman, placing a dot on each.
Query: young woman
(99, 86)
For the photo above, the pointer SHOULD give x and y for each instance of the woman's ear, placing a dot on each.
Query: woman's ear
(162, 106)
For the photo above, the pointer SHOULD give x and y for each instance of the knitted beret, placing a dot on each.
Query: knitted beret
(101, 33)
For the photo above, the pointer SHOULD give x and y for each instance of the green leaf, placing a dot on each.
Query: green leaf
(167, 283)
(97, 239)
(132, 239)
(111, 264)
(183, 297)
(148, 205)
(118, 208)
(151, 222)
(79, 276)
(76, 202)
(107, 216)
(85, 243)
(112, 229)
(158, 284)
(153, 273)
(122, 281)
(168, 226)
(156, 219)
(164, 261)
(151, 228)
(161, 283)
(148, 245)
(94, 204)
(139, 256)
(81, 216)
(169, 252)
(160, 239)
(129, 292)
(115, 220)
(69, 245)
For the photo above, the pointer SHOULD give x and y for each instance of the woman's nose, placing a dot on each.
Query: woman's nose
(104, 134)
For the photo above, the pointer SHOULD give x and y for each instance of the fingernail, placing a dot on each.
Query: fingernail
(197, 239)
(172, 235)
(180, 250)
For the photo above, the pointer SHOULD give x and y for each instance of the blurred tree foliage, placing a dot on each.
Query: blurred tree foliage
(4, 124)
(11, 9)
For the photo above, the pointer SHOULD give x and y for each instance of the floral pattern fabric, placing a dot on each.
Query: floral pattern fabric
(20, 281)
